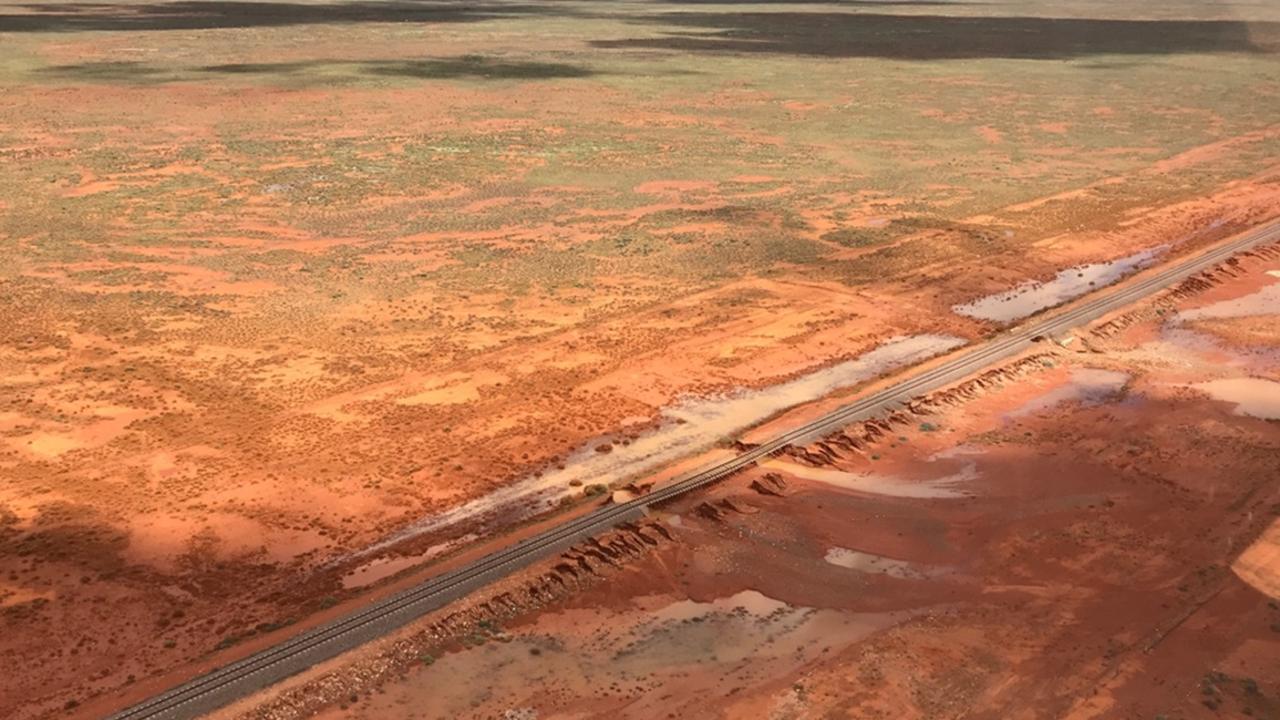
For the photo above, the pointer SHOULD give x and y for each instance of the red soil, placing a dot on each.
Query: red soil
(1099, 551)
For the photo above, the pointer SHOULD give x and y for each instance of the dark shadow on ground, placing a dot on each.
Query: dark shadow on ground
(113, 72)
(842, 3)
(937, 37)
(467, 66)
(206, 14)
(439, 68)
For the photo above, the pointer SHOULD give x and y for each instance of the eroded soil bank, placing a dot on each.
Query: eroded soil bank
(287, 290)
(1086, 532)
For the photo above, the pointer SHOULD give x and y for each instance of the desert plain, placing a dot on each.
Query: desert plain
(1088, 530)
(298, 297)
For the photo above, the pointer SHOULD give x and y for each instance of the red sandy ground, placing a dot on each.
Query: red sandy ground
(1114, 556)
(249, 326)
(234, 525)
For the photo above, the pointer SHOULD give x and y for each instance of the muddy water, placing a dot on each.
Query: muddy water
(384, 567)
(1263, 302)
(667, 652)
(729, 630)
(377, 569)
(749, 601)
(686, 428)
(1086, 385)
(1176, 340)
(1031, 297)
(943, 487)
(695, 424)
(879, 564)
(1252, 396)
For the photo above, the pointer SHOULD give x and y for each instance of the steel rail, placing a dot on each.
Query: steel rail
(218, 687)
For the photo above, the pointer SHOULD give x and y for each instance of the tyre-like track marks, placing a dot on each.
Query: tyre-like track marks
(240, 678)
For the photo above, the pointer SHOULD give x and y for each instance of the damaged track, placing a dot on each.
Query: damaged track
(271, 665)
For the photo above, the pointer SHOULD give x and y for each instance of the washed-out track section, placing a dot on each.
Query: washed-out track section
(266, 667)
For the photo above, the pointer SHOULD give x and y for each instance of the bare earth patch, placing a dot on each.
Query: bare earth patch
(293, 291)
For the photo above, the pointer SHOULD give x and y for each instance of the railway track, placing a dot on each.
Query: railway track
(238, 679)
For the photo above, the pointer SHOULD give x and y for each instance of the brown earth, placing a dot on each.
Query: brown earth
(278, 280)
(1087, 532)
